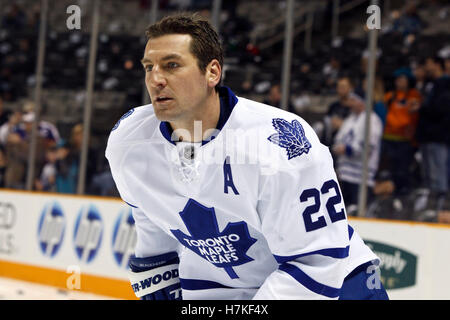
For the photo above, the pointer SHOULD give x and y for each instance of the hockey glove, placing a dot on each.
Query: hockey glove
(156, 278)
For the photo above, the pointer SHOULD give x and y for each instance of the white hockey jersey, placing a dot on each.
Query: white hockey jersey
(351, 134)
(257, 213)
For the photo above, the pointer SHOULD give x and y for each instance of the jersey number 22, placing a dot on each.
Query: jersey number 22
(314, 208)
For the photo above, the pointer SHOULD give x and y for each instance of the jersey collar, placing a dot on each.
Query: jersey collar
(227, 102)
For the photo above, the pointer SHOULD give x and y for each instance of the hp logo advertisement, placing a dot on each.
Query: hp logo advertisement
(88, 233)
(51, 229)
(124, 238)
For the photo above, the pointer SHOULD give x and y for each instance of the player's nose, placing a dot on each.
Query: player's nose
(157, 79)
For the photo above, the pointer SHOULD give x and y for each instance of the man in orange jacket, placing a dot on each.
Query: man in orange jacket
(401, 121)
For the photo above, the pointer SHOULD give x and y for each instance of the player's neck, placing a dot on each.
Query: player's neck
(206, 119)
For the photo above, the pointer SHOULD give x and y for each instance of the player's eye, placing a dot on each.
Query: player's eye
(148, 68)
(172, 65)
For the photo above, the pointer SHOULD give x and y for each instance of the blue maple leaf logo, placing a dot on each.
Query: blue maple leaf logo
(224, 249)
(290, 136)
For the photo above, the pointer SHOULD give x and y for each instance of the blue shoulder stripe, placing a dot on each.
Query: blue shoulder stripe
(195, 284)
(338, 253)
(308, 282)
(350, 232)
(130, 205)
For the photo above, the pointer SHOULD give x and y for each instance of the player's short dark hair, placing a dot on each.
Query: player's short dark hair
(205, 44)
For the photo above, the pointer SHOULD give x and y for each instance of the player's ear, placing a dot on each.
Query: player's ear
(213, 73)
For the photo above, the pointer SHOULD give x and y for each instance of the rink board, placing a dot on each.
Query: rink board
(66, 241)
(84, 243)
(415, 256)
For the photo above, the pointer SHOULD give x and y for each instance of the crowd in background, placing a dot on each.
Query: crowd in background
(409, 142)
(57, 158)
(409, 150)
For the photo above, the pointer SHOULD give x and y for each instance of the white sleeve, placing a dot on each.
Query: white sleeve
(115, 158)
(151, 240)
(304, 221)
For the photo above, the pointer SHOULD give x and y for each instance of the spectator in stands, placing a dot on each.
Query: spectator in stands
(47, 179)
(379, 106)
(421, 77)
(17, 148)
(424, 77)
(47, 131)
(364, 62)
(8, 86)
(433, 133)
(274, 98)
(67, 165)
(398, 146)
(16, 136)
(10, 126)
(4, 113)
(447, 66)
(348, 148)
(337, 112)
(34, 16)
(330, 72)
(25, 58)
(301, 101)
(76, 141)
(246, 87)
(408, 22)
(67, 168)
(3, 165)
(304, 76)
(48, 135)
(15, 18)
(230, 7)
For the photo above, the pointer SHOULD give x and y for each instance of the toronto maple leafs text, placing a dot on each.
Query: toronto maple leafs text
(218, 249)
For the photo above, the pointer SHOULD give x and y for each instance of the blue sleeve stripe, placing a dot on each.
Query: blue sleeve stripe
(130, 205)
(338, 253)
(348, 150)
(308, 282)
(194, 284)
(350, 232)
(154, 261)
(148, 263)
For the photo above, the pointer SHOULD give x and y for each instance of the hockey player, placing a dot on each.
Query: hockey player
(232, 199)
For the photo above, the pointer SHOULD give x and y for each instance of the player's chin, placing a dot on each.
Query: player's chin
(163, 105)
(165, 113)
